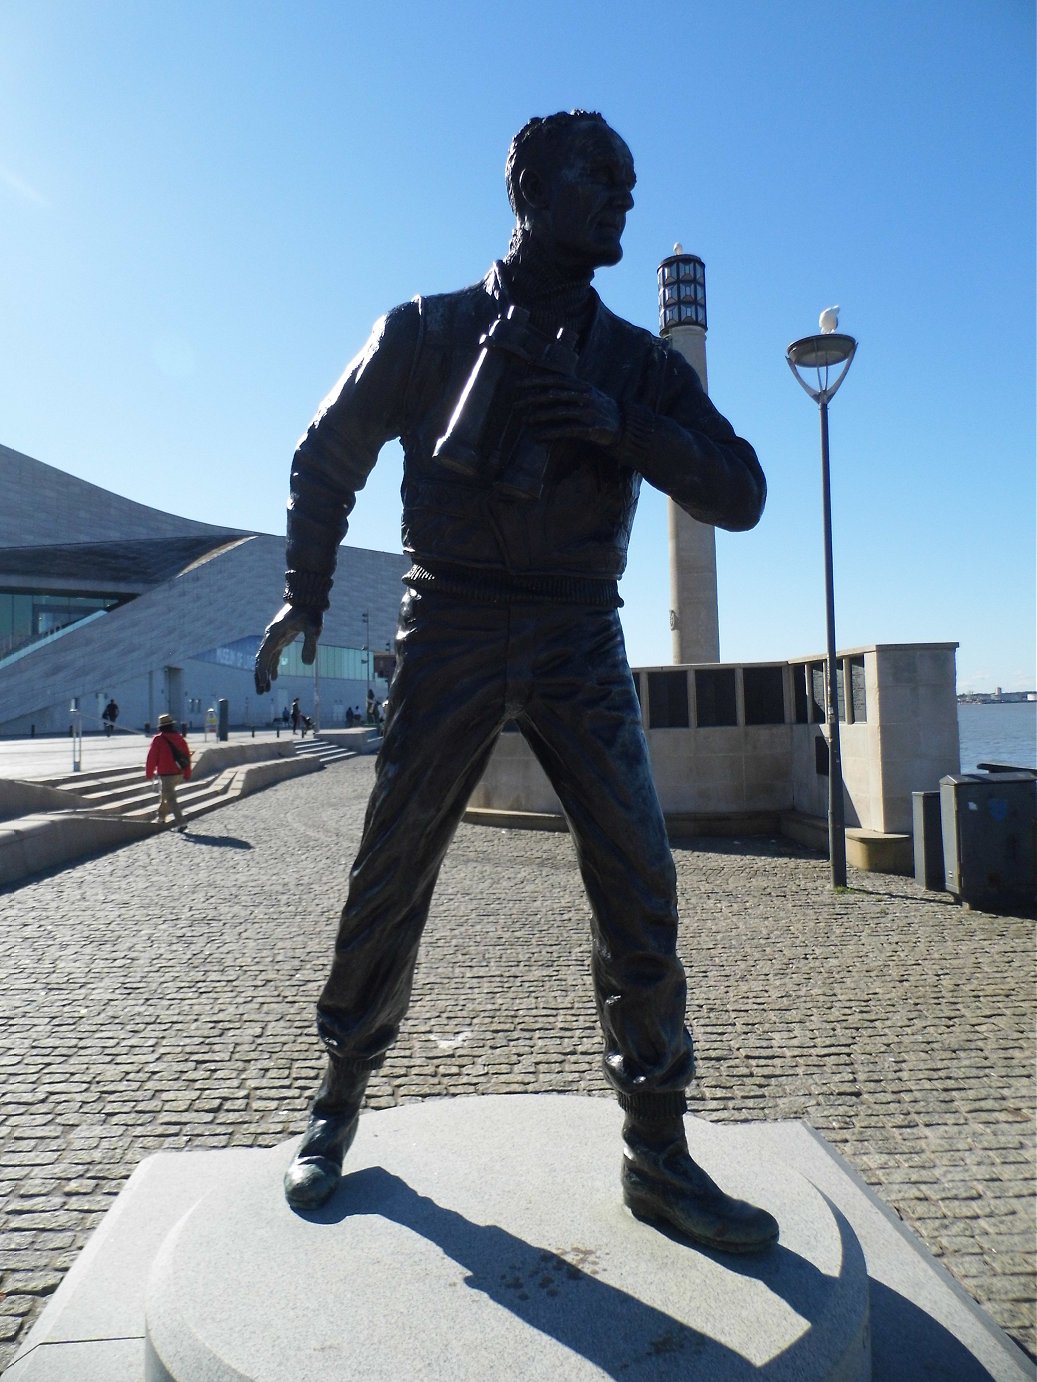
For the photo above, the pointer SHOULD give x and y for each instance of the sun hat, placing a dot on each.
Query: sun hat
(166, 721)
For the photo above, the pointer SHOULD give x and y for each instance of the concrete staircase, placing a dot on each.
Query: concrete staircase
(126, 792)
(57, 819)
(324, 750)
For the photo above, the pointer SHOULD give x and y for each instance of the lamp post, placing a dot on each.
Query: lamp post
(75, 730)
(821, 353)
(365, 619)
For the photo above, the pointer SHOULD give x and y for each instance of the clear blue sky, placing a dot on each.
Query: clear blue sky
(205, 203)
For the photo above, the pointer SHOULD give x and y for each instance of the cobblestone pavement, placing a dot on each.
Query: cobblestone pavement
(161, 997)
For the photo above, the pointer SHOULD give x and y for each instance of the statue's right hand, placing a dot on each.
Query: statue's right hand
(285, 627)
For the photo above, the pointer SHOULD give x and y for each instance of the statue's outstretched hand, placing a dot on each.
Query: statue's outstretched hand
(285, 627)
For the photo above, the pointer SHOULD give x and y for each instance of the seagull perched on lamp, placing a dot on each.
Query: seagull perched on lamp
(829, 320)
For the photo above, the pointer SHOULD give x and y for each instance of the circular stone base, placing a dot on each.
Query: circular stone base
(485, 1237)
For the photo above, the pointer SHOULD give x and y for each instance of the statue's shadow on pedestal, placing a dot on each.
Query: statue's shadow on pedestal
(557, 1292)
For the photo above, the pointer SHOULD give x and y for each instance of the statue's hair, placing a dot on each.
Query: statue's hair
(537, 141)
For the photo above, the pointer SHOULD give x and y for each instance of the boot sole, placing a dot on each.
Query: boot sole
(647, 1210)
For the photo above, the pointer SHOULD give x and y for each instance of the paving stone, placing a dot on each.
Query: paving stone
(136, 1018)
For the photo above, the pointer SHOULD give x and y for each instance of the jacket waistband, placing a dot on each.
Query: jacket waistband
(501, 588)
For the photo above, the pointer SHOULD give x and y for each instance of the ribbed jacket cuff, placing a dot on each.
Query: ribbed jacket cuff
(307, 590)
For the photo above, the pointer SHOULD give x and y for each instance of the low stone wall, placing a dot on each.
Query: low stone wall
(259, 775)
(34, 843)
(27, 798)
(362, 739)
(214, 758)
(747, 745)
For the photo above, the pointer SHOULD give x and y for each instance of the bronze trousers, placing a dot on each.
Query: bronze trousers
(463, 671)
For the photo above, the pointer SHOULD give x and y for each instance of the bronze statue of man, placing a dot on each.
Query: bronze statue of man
(529, 415)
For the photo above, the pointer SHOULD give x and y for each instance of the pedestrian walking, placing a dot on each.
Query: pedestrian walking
(170, 759)
(109, 716)
(296, 715)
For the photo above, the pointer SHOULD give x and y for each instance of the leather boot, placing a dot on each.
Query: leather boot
(662, 1184)
(316, 1169)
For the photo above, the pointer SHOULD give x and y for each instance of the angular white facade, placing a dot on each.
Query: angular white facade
(180, 606)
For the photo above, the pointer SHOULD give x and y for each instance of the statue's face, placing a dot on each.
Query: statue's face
(581, 198)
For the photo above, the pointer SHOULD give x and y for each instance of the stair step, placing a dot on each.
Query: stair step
(190, 802)
(81, 783)
(323, 749)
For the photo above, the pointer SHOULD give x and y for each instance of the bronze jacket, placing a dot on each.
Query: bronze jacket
(405, 383)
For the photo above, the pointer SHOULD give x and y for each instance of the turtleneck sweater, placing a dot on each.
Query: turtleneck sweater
(554, 297)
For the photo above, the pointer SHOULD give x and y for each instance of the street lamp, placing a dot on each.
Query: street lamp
(821, 353)
(682, 291)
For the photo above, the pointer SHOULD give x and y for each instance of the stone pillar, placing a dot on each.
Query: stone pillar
(694, 616)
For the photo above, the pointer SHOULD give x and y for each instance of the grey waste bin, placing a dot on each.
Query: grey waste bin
(989, 848)
(927, 835)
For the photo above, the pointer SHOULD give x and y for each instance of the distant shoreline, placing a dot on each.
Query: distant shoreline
(996, 697)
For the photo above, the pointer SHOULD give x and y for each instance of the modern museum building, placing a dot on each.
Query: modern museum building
(103, 598)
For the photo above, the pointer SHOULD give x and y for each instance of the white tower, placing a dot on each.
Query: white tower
(694, 617)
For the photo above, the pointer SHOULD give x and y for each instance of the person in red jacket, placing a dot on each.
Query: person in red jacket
(170, 758)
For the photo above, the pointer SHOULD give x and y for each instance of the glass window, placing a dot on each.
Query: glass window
(764, 689)
(715, 697)
(27, 615)
(667, 700)
(817, 693)
(858, 695)
(799, 687)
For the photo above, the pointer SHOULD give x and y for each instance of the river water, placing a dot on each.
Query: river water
(998, 734)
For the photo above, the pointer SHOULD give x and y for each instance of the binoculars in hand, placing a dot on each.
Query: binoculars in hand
(485, 438)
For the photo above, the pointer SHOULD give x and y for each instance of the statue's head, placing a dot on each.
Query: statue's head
(570, 178)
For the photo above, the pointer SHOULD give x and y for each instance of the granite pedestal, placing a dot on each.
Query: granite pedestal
(485, 1237)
